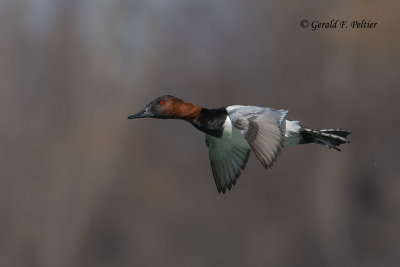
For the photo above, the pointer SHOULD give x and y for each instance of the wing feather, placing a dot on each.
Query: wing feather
(226, 161)
(262, 129)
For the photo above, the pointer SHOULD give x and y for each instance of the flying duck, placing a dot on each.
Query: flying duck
(232, 132)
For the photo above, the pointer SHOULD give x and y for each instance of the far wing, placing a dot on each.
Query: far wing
(261, 127)
(226, 162)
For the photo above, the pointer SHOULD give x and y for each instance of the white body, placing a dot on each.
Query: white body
(291, 130)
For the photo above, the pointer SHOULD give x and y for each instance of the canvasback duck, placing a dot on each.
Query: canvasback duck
(233, 131)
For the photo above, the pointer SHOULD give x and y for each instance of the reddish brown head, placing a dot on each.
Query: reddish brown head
(169, 107)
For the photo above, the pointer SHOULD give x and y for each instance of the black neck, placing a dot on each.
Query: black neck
(211, 121)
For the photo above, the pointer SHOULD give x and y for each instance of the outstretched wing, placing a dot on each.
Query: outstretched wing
(226, 161)
(261, 127)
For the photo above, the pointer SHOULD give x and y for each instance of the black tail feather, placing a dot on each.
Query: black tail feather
(331, 138)
(339, 132)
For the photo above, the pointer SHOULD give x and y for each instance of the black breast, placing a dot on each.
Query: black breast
(211, 121)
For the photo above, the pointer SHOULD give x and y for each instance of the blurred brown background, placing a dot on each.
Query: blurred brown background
(80, 185)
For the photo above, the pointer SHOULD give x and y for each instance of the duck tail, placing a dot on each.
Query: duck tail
(331, 138)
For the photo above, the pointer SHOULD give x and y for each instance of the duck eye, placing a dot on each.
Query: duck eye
(161, 102)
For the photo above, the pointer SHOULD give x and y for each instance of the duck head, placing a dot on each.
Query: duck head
(168, 107)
